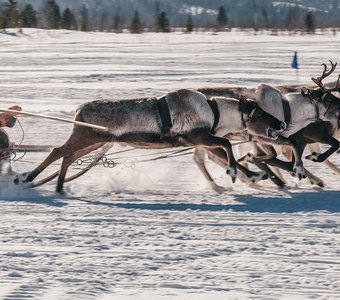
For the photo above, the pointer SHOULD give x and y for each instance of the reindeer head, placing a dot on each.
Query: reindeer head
(259, 122)
(324, 96)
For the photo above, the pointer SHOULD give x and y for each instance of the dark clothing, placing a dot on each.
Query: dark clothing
(4, 143)
(4, 139)
(10, 121)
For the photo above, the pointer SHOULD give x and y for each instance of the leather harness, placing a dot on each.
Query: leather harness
(165, 115)
(164, 112)
(216, 112)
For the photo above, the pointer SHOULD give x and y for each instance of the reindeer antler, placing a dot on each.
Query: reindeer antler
(326, 73)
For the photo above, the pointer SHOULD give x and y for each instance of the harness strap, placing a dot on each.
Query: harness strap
(252, 112)
(287, 113)
(216, 112)
(317, 111)
(327, 102)
(165, 115)
(315, 103)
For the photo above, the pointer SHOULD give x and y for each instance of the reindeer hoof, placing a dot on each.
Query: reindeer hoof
(61, 192)
(321, 184)
(232, 172)
(313, 157)
(265, 176)
(299, 171)
(21, 178)
(259, 176)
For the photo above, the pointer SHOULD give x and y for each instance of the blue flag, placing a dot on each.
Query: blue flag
(295, 64)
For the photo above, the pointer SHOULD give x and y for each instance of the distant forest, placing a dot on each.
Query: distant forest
(138, 16)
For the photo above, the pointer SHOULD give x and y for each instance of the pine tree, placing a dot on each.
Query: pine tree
(29, 17)
(156, 16)
(103, 21)
(84, 22)
(11, 14)
(135, 25)
(163, 22)
(3, 21)
(265, 18)
(52, 15)
(222, 19)
(68, 20)
(309, 22)
(118, 22)
(190, 24)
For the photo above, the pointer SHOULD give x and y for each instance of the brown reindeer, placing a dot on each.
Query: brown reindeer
(138, 123)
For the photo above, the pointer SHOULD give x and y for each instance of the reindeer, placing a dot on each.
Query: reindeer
(139, 123)
(318, 105)
(321, 132)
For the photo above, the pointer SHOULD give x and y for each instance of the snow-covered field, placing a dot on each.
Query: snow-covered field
(154, 230)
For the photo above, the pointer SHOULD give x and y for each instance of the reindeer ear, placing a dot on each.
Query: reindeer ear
(243, 104)
(246, 105)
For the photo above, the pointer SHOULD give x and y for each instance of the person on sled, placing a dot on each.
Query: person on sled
(7, 119)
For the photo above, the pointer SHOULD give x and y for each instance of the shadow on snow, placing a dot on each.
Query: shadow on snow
(292, 203)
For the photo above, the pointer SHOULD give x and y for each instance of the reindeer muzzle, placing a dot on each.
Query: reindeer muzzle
(272, 134)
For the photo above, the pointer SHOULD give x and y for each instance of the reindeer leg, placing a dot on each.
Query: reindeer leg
(297, 150)
(288, 166)
(272, 176)
(204, 138)
(219, 157)
(332, 166)
(199, 155)
(315, 147)
(67, 161)
(71, 158)
(77, 141)
(321, 157)
(55, 154)
(314, 179)
(263, 153)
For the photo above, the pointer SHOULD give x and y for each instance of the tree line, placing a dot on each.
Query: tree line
(51, 16)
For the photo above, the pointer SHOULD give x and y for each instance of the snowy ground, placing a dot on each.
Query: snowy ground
(154, 230)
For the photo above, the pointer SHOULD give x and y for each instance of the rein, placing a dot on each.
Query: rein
(130, 162)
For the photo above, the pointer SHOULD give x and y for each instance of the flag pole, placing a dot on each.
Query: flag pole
(295, 65)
